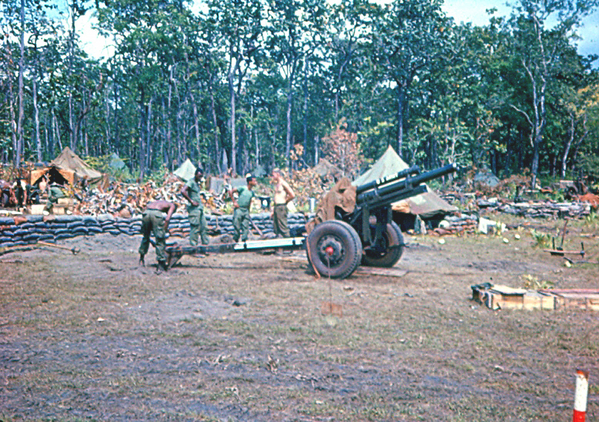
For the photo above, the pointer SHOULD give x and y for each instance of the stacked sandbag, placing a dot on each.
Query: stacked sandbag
(30, 229)
(462, 223)
(224, 224)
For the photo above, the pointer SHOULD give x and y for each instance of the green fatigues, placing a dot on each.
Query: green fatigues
(241, 214)
(197, 219)
(280, 220)
(53, 196)
(152, 221)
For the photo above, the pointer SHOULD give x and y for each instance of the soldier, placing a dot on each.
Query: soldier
(54, 194)
(195, 209)
(21, 189)
(282, 196)
(241, 214)
(7, 194)
(155, 220)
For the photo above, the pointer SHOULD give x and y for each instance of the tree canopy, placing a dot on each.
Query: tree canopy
(240, 84)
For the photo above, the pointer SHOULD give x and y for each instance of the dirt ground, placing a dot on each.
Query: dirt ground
(241, 337)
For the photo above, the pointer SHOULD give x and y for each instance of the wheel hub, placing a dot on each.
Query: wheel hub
(330, 250)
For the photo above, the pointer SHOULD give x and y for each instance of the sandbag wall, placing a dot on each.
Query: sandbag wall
(27, 230)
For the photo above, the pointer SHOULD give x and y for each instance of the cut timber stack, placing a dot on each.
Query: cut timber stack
(546, 209)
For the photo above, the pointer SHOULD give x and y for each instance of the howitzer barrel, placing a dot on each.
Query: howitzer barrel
(380, 194)
(388, 179)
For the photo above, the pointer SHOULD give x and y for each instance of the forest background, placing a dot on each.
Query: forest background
(247, 84)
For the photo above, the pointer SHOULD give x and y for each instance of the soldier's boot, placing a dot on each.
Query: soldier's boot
(161, 267)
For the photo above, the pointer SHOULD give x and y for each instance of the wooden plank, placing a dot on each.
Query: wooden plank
(506, 290)
(579, 296)
(562, 291)
(388, 272)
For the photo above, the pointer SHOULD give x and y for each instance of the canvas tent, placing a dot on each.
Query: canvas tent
(427, 205)
(186, 171)
(70, 167)
(53, 174)
(116, 163)
(67, 159)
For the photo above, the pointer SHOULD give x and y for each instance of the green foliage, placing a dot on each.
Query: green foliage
(533, 283)
(589, 165)
(158, 176)
(541, 240)
(105, 164)
(592, 220)
(241, 83)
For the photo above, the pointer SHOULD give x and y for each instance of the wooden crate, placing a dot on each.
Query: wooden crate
(69, 202)
(504, 297)
(36, 209)
(587, 299)
(59, 210)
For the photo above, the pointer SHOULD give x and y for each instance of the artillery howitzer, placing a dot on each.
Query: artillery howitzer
(335, 248)
(368, 234)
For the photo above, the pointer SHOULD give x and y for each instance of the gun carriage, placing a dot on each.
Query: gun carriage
(367, 235)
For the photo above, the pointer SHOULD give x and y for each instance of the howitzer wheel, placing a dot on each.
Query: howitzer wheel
(392, 251)
(334, 249)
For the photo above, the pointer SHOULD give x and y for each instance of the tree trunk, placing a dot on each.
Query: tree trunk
(305, 151)
(567, 147)
(56, 132)
(117, 133)
(196, 126)
(163, 147)
(166, 113)
(233, 124)
(215, 130)
(581, 140)
(181, 135)
(535, 163)
(36, 118)
(289, 109)
(510, 151)
(142, 141)
(81, 128)
(47, 126)
(400, 118)
(149, 143)
(19, 150)
(13, 119)
(72, 138)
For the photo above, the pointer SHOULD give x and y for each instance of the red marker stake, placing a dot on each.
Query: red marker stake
(580, 396)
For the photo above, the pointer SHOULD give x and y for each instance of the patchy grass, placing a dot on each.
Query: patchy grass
(241, 337)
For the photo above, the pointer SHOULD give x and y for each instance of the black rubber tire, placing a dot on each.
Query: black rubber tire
(393, 251)
(346, 245)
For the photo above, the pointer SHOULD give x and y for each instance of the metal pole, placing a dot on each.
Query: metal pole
(580, 396)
